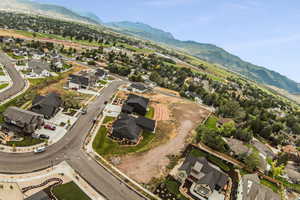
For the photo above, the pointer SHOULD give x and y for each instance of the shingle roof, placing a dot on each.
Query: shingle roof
(126, 127)
(18, 114)
(210, 175)
(146, 123)
(253, 190)
(138, 86)
(135, 99)
(46, 105)
(79, 79)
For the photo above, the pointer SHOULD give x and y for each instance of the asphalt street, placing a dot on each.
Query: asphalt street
(18, 82)
(69, 148)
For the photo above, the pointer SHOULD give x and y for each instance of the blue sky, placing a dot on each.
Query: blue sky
(266, 33)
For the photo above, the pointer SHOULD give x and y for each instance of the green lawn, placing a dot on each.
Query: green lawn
(69, 191)
(1, 72)
(14, 56)
(173, 187)
(108, 119)
(4, 85)
(106, 147)
(28, 141)
(270, 185)
(102, 82)
(150, 113)
(211, 122)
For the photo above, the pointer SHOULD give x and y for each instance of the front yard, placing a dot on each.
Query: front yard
(27, 141)
(69, 191)
(106, 147)
(3, 85)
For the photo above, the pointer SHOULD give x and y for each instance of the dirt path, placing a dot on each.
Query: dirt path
(153, 163)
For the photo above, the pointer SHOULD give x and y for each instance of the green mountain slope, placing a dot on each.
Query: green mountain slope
(210, 53)
(48, 10)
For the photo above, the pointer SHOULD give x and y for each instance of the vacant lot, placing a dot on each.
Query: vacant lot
(172, 133)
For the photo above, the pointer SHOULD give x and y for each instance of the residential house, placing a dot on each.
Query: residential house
(135, 104)
(251, 189)
(146, 124)
(39, 68)
(38, 55)
(83, 80)
(125, 128)
(205, 180)
(129, 128)
(47, 105)
(138, 87)
(21, 121)
(100, 73)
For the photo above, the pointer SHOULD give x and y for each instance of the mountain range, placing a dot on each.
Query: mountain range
(208, 52)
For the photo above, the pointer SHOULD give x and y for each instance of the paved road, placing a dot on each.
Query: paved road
(69, 148)
(18, 82)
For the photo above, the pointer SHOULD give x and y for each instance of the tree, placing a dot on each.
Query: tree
(245, 135)
(228, 129)
(252, 160)
(276, 170)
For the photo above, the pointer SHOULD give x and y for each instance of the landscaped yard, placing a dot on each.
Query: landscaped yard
(106, 147)
(108, 119)
(69, 191)
(150, 113)
(3, 85)
(14, 56)
(28, 141)
(269, 184)
(1, 72)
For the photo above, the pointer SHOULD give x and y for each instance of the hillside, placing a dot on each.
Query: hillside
(210, 53)
(47, 10)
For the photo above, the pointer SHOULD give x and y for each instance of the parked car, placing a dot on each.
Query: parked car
(42, 136)
(40, 150)
(50, 127)
(84, 111)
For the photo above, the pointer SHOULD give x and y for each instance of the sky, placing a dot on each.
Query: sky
(263, 32)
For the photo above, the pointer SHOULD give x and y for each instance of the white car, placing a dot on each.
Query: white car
(40, 150)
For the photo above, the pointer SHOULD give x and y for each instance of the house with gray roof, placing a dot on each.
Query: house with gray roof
(21, 121)
(47, 105)
(82, 80)
(205, 179)
(251, 189)
(125, 128)
(138, 87)
(136, 104)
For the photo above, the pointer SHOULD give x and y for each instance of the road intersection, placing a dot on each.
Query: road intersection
(69, 148)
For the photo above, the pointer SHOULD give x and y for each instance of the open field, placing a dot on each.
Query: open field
(171, 137)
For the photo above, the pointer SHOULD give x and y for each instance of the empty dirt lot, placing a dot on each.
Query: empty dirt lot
(177, 120)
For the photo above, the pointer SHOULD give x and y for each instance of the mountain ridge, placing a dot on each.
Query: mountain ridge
(211, 53)
(47, 10)
(204, 51)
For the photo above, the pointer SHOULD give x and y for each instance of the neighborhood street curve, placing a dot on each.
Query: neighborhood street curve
(18, 82)
(69, 148)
